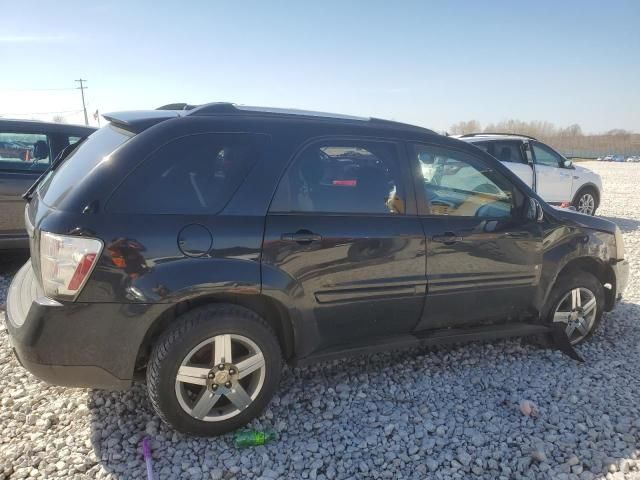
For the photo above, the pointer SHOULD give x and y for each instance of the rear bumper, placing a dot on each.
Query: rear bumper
(75, 344)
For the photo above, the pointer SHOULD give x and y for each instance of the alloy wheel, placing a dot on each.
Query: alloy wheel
(577, 309)
(587, 204)
(220, 377)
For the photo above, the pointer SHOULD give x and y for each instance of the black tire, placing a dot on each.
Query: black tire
(568, 281)
(188, 331)
(587, 191)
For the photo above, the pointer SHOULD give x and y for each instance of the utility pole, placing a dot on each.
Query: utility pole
(84, 107)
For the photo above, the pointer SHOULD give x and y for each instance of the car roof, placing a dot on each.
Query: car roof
(8, 123)
(138, 121)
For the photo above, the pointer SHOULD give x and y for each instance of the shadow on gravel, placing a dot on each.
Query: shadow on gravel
(410, 414)
(10, 263)
(627, 225)
(12, 260)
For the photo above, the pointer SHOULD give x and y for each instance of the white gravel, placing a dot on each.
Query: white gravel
(441, 413)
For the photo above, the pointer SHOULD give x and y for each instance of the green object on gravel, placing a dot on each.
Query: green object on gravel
(252, 438)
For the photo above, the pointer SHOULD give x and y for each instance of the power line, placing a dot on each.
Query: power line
(84, 107)
(40, 113)
(35, 89)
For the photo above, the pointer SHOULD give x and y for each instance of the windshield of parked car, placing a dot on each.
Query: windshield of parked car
(80, 162)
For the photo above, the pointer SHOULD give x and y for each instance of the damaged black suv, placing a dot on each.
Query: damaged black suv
(202, 247)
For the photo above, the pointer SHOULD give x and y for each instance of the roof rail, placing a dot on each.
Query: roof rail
(177, 106)
(223, 107)
(480, 134)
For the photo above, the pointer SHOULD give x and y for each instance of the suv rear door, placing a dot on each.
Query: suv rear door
(483, 257)
(24, 155)
(343, 229)
(510, 153)
(26, 150)
(554, 181)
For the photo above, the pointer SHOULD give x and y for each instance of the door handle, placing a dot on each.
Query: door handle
(516, 235)
(448, 238)
(301, 236)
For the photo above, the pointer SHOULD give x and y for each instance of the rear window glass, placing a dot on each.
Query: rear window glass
(195, 174)
(80, 162)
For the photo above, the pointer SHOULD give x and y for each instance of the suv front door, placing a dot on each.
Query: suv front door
(483, 257)
(342, 228)
(553, 180)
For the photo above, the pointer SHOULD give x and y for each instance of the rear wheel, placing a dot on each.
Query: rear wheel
(214, 370)
(577, 301)
(586, 201)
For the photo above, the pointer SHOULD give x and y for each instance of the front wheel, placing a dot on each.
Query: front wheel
(586, 201)
(577, 301)
(214, 370)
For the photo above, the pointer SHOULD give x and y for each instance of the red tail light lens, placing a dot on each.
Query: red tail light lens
(66, 263)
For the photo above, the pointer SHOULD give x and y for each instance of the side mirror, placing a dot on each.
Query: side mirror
(567, 164)
(534, 211)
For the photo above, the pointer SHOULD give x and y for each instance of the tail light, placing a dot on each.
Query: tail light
(66, 263)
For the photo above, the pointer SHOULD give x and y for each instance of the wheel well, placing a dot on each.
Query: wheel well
(602, 271)
(269, 309)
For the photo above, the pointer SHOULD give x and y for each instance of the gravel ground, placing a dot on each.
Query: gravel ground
(439, 413)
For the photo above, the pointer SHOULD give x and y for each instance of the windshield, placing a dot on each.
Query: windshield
(80, 162)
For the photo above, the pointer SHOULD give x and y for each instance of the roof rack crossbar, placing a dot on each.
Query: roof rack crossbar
(480, 134)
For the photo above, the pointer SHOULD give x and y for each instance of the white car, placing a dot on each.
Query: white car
(555, 178)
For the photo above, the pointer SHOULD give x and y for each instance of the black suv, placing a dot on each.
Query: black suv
(201, 247)
(27, 149)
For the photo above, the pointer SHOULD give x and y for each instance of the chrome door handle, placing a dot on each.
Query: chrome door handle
(301, 236)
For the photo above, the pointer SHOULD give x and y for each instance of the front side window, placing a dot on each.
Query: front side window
(195, 174)
(359, 177)
(460, 185)
(545, 156)
(24, 151)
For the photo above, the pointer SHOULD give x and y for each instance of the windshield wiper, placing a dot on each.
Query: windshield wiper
(64, 153)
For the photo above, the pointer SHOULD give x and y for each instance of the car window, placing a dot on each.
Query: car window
(194, 174)
(503, 150)
(343, 177)
(73, 139)
(57, 185)
(545, 156)
(457, 184)
(24, 151)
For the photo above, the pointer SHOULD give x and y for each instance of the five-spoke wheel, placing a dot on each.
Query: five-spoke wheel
(576, 301)
(577, 310)
(214, 369)
(220, 377)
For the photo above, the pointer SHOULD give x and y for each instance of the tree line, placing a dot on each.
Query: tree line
(570, 141)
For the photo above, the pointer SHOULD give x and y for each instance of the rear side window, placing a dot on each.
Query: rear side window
(80, 162)
(343, 177)
(195, 174)
(24, 151)
(505, 151)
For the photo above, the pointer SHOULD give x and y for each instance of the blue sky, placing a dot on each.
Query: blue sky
(425, 62)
